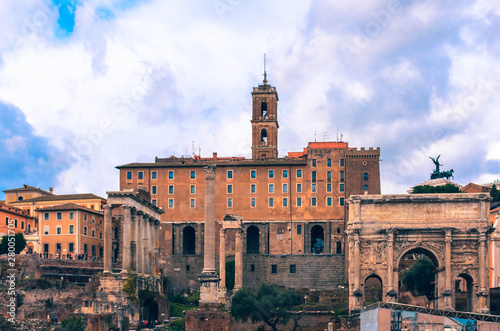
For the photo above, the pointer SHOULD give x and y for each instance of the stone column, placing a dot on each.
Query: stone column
(357, 293)
(133, 240)
(152, 246)
(238, 260)
(127, 210)
(447, 267)
(178, 240)
(157, 247)
(390, 266)
(146, 244)
(483, 291)
(108, 238)
(222, 266)
(208, 278)
(139, 234)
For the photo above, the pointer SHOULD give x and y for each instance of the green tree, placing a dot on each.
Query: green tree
(5, 325)
(495, 194)
(448, 188)
(418, 279)
(73, 323)
(269, 304)
(19, 243)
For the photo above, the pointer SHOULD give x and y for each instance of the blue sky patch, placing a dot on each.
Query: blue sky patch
(66, 20)
(25, 158)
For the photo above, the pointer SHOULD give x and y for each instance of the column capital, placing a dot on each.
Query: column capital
(210, 172)
(127, 207)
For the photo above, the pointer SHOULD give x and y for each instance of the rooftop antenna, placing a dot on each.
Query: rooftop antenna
(265, 73)
(314, 135)
(325, 136)
(193, 149)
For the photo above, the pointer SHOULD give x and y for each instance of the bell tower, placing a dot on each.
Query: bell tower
(264, 120)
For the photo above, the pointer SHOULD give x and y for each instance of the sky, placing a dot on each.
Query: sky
(86, 86)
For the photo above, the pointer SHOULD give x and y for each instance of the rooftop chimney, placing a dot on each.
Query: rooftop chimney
(51, 189)
(215, 156)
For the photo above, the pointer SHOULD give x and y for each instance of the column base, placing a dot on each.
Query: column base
(209, 290)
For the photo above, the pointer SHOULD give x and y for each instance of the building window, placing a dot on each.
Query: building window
(93, 233)
(171, 189)
(328, 176)
(271, 188)
(71, 215)
(229, 189)
(365, 176)
(192, 174)
(229, 202)
(285, 188)
(313, 187)
(140, 175)
(252, 188)
(192, 203)
(129, 175)
(285, 202)
(339, 247)
(71, 247)
(46, 230)
(153, 189)
(274, 268)
(193, 189)
(154, 202)
(285, 173)
(271, 202)
(252, 267)
(313, 176)
(100, 235)
(293, 268)
(253, 173)
(341, 200)
(342, 187)
(328, 187)
(46, 216)
(338, 230)
(71, 229)
(170, 174)
(329, 201)
(299, 202)
(365, 187)
(313, 162)
(230, 174)
(84, 217)
(22, 225)
(341, 162)
(328, 162)
(252, 202)
(170, 203)
(59, 215)
(341, 176)
(299, 188)
(313, 201)
(154, 175)
(271, 173)
(58, 229)
(85, 249)
(299, 229)
(85, 230)
(299, 173)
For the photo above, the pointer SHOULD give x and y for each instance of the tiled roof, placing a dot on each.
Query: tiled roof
(59, 197)
(239, 163)
(27, 188)
(15, 210)
(69, 206)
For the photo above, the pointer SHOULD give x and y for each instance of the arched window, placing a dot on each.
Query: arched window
(317, 239)
(263, 109)
(463, 293)
(263, 137)
(253, 240)
(373, 289)
(188, 240)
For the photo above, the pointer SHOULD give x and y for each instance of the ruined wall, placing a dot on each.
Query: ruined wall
(182, 272)
(311, 271)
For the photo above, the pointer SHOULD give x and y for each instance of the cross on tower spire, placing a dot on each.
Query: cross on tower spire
(265, 73)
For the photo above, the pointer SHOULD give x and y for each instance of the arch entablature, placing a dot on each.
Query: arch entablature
(419, 246)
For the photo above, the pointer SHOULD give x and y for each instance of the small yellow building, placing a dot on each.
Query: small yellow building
(71, 231)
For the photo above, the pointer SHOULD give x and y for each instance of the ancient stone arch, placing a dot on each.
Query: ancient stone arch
(453, 229)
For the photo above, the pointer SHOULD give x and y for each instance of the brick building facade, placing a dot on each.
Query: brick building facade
(292, 207)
